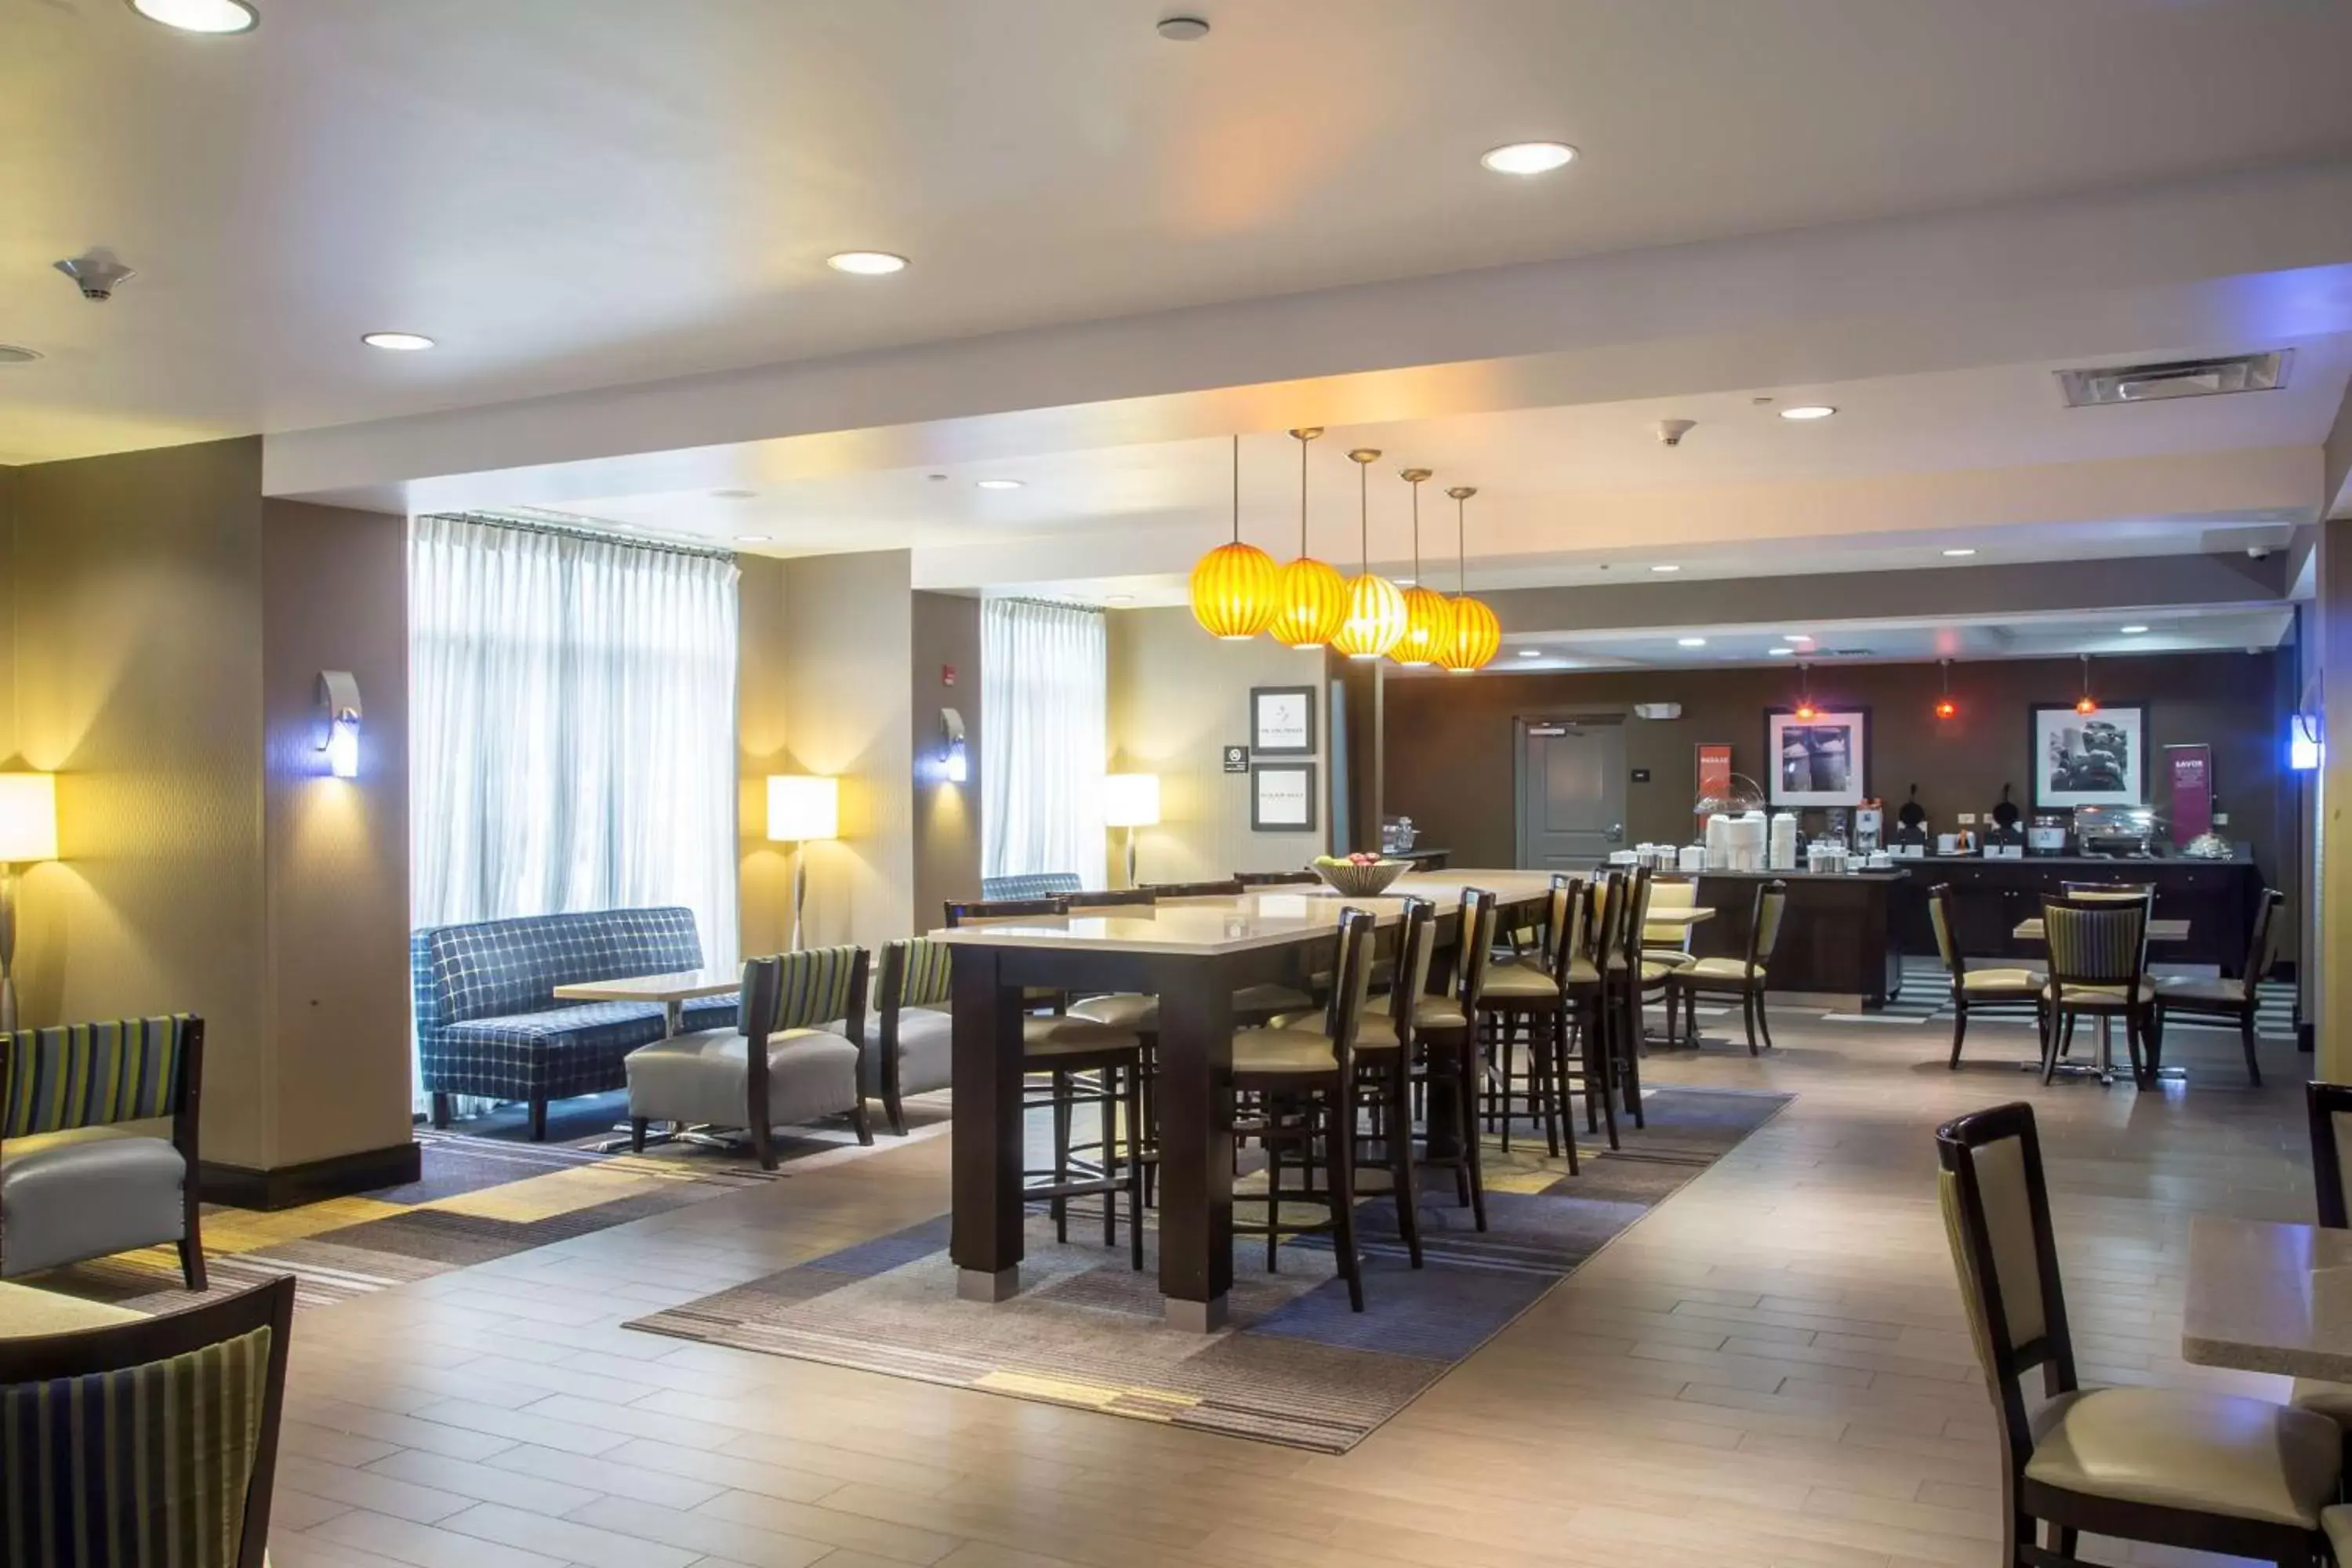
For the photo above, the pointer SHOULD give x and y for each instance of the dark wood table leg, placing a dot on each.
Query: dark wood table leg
(1196, 1142)
(986, 1240)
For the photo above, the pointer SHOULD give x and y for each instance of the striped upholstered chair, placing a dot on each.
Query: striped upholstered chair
(81, 1176)
(808, 1068)
(914, 1052)
(2098, 967)
(150, 1442)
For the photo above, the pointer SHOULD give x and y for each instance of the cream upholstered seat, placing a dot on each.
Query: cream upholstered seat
(2171, 1448)
(2093, 998)
(1296, 1049)
(2192, 988)
(1137, 1011)
(1732, 969)
(2338, 1522)
(2333, 1400)
(1515, 982)
(1071, 1036)
(2021, 984)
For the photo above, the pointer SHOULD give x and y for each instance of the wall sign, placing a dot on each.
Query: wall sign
(1282, 797)
(1236, 759)
(1282, 721)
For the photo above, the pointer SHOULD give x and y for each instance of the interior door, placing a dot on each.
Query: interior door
(1572, 792)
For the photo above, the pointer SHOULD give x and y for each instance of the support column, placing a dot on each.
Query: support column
(2332, 902)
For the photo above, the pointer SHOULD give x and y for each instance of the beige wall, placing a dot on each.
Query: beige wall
(138, 590)
(1178, 697)
(2333, 610)
(334, 596)
(763, 890)
(946, 815)
(7, 616)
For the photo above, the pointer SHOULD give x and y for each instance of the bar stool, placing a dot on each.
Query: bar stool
(1521, 996)
(1624, 982)
(1447, 1029)
(1304, 1080)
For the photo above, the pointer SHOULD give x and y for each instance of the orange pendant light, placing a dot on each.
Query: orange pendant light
(2083, 704)
(1311, 598)
(1375, 622)
(1233, 585)
(1428, 614)
(1473, 635)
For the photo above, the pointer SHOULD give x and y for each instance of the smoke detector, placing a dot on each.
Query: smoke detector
(96, 273)
(2171, 379)
(12, 353)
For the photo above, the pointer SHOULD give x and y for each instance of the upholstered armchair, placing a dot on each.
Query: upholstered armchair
(916, 1051)
(808, 1011)
(79, 1177)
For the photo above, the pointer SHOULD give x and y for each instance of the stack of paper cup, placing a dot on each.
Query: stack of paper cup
(1784, 842)
(1693, 859)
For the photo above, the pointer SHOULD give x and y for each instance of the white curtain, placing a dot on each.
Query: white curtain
(1043, 691)
(571, 726)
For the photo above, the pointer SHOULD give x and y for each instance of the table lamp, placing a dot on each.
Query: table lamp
(801, 807)
(1131, 801)
(28, 831)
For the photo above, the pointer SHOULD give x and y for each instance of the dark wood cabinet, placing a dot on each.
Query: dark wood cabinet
(1990, 897)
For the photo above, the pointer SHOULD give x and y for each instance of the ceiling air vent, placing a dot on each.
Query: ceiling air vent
(2175, 378)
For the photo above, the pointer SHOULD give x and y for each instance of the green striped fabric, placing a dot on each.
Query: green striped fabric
(816, 986)
(144, 1465)
(923, 974)
(2095, 946)
(91, 1075)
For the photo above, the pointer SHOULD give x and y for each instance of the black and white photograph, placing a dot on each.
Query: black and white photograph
(2098, 758)
(1819, 760)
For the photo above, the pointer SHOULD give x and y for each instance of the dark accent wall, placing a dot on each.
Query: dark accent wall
(1449, 765)
(947, 816)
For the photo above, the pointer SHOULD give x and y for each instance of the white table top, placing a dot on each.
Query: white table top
(2269, 1298)
(682, 986)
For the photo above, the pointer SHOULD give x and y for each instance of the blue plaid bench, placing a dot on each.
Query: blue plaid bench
(487, 1021)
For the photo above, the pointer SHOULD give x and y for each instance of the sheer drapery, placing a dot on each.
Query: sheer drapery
(1043, 689)
(571, 726)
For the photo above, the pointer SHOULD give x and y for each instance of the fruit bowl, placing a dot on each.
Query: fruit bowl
(1359, 879)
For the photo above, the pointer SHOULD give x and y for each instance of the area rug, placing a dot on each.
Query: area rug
(1294, 1365)
(485, 1191)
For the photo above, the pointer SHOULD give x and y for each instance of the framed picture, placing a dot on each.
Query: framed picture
(1282, 721)
(1820, 760)
(2088, 759)
(1282, 797)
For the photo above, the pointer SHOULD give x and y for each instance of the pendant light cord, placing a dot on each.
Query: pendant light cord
(1461, 550)
(1364, 518)
(1416, 532)
(1302, 497)
(1238, 489)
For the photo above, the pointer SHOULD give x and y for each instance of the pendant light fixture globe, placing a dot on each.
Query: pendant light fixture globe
(1233, 585)
(1310, 597)
(1376, 613)
(1474, 636)
(1428, 614)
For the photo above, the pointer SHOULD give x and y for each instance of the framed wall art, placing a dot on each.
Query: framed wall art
(1282, 797)
(1282, 721)
(2098, 758)
(1819, 759)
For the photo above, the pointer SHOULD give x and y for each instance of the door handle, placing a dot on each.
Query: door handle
(1616, 833)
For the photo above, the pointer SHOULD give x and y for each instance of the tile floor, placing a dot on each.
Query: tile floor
(1771, 1369)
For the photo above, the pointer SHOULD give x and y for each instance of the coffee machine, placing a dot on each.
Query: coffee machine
(2046, 833)
(1869, 827)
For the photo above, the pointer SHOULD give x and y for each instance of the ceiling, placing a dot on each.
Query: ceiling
(582, 193)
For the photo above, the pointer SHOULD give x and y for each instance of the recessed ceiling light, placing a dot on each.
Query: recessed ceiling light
(399, 342)
(1780, 652)
(1405, 581)
(1808, 411)
(200, 15)
(1530, 653)
(12, 354)
(1690, 642)
(733, 495)
(1119, 598)
(996, 484)
(754, 538)
(1962, 551)
(1797, 636)
(1666, 566)
(1528, 157)
(1183, 29)
(2133, 631)
(867, 263)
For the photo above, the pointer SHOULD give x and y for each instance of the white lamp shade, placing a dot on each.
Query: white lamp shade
(28, 817)
(1131, 800)
(801, 806)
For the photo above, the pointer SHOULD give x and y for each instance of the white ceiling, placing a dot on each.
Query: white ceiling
(575, 194)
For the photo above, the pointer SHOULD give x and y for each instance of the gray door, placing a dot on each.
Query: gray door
(1572, 792)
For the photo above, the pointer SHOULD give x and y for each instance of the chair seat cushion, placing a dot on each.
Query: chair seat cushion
(1672, 955)
(1723, 972)
(1519, 982)
(1655, 970)
(1136, 1011)
(2212, 992)
(576, 1049)
(926, 1051)
(2211, 1452)
(89, 1198)
(1046, 1038)
(2097, 997)
(1284, 1050)
(1252, 999)
(2012, 982)
(2338, 1522)
(2333, 1400)
(1376, 1031)
(703, 1077)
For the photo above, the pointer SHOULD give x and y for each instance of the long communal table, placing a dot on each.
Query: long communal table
(1193, 954)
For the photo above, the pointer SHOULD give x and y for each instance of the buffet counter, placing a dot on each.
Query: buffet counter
(1836, 938)
(1990, 898)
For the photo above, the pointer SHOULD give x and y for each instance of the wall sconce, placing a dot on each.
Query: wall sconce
(336, 729)
(2304, 749)
(955, 766)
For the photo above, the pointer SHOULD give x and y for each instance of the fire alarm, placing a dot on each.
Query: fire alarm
(947, 675)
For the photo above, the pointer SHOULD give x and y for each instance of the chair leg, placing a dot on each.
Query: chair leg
(192, 1259)
(1106, 1119)
(1340, 1149)
(1764, 1020)
(1400, 1142)
(1600, 1072)
(1273, 1185)
(1545, 1072)
(2054, 1035)
(538, 1118)
(1134, 1167)
(440, 1112)
(863, 1120)
(2245, 1038)
(895, 1108)
(1563, 1114)
(1060, 1207)
(1632, 1080)
(1468, 1070)
(1960, 1032)
(763, 1144)
(638, 1134)
(1509, 1061)
(1747, 1016)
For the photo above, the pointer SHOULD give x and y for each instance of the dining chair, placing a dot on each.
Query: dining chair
(1974, 985)
(1303, 1079)
(2199, 1471)
(1747, 978)
(1230, 888)
(2237, 999)
(915, 1046)
(1668, 943)
(2329, 1108)
(2098, 968)
(146, 1442)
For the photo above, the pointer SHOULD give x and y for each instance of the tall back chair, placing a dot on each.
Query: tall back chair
(2098, 965)
(1230, 888)
(1979, 985)
(1089, 901)
(2238, 999)
(2238, 1475)
(914, 1051)
(971, 910)
(149, 1442)
(1747, 978)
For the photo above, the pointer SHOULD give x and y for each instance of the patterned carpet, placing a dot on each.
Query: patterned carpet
(1294, 1366)
(486, 1191)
